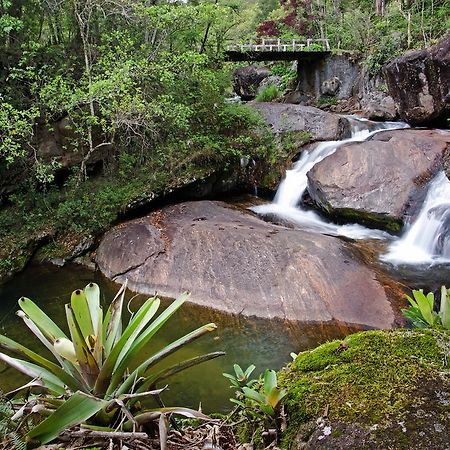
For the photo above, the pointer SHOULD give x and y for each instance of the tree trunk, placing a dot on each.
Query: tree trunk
(380, 7)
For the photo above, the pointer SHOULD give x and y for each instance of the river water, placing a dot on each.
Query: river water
(246, 341)
(288, 204)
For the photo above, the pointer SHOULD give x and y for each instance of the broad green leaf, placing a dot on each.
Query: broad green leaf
(253, 395)
(275, 396)
(412, 302)
(48, 380)
(50, 330)
(266, 408)
(166, 351)
(9, 344)
(155, 326)
(424, 306)
(430, 298)
(444, 311)
(67, 365)
(249, 371)
(134, 353)
(270, 381)
(86, 360)
(82, 313)
(112, 324)
(239, 372)
(139, 321)
(78, 408)
(92, 293)
(136, 325)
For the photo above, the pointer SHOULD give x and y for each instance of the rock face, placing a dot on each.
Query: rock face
(247, 79)
(288, 118)
(375, 103)
(375, 181)
(334, 75)
(419, 82)
(234, 262)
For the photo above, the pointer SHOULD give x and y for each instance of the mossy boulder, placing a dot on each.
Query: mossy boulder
(372, 390)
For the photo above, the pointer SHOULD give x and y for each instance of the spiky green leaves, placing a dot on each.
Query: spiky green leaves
(421, 313)
(93, 371)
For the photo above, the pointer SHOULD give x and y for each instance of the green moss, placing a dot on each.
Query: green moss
(363, 217)
(368, 378)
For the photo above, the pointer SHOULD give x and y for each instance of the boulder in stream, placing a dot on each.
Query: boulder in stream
(287, 118)
(379, 181)
(419, 82)
(234, 262)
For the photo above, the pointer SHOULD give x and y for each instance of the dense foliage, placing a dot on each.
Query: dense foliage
(131, 91)
(379, 30)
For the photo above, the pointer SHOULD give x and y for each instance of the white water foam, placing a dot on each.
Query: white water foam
(427, 239)
(287, 201)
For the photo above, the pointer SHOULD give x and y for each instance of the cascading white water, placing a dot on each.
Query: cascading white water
(286, 204)
(427, 240)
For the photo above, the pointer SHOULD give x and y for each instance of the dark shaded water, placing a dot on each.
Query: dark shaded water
(265, 343)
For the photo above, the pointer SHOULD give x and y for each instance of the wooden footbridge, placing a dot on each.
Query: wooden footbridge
(279, 50)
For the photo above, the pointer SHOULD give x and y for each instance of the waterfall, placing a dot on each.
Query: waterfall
(287, 202)
(427, 239)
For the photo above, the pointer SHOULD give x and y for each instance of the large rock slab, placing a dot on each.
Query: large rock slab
(234, 262)
(419, 82)
(286, 118)
(376, 181)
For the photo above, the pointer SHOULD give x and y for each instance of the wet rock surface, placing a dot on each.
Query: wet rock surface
(286, 118)
(419, 82)
(376, 181)
(232, 261)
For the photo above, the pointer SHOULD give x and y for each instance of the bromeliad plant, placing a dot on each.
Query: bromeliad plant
(261, 406)
(101, 374)
(421, 313)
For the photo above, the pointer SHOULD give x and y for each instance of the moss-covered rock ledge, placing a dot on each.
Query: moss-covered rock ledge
(372, 390)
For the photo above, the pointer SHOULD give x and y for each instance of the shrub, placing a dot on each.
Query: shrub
(268, 94)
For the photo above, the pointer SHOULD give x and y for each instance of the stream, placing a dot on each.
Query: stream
(265, 343)
(425, 241)
(419, 257)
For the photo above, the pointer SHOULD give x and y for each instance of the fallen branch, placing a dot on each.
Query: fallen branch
(85, 433)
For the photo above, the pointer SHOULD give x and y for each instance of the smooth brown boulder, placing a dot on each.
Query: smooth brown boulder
(234, 262)
(377, 181)
(419, 83)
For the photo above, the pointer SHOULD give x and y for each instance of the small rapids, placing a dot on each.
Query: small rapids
(427, 239)
(287, 204)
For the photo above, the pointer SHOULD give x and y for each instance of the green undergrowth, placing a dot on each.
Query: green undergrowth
(367, 378)
(55, 219)
(268, 94)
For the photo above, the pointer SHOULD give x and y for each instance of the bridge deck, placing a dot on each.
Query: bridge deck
(279, 50)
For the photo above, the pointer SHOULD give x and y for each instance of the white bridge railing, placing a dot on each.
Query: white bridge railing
(281, 45)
